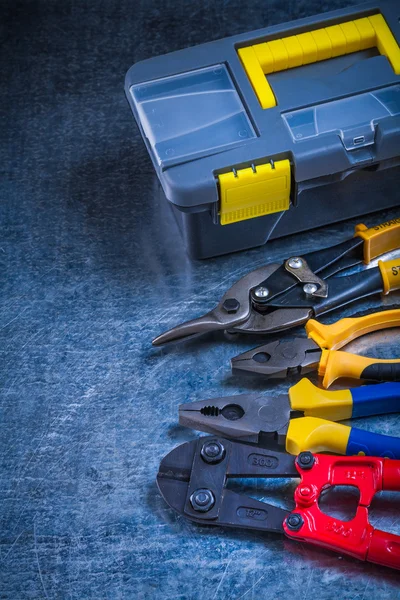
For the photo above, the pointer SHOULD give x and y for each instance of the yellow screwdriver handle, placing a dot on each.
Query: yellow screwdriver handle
(379, 239)
(390, 271)
(337, 335)
(335, 364)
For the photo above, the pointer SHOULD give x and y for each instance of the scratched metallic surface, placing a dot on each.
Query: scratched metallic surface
(92, 270)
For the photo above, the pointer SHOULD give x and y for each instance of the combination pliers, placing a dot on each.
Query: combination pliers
(321, 351)
(193, 480)
(281, 296)
(303, 419)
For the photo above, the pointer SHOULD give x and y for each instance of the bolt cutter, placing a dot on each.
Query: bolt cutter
(320, 351)
(193, 480)
(278, 297)
(304, 419)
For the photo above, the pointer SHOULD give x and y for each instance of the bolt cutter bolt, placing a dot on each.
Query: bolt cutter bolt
(294, 522)
(295, 262)
(261, 292)
(306, 460)
(305, 490)
(212, 452)
(202, 500)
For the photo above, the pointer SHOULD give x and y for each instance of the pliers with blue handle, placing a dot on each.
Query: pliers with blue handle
(305, 419)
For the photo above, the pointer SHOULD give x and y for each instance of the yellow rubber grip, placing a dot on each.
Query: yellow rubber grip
(314, 402)
(379, 239)
(316, 435)
(390, 271)
(337, 335)
(335, 364)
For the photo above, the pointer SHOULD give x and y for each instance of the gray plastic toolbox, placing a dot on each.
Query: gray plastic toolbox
(275, 131)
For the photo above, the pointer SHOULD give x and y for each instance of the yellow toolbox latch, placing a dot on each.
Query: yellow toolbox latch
(254, 191)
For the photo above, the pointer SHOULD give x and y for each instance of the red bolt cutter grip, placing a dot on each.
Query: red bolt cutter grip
(357, 537)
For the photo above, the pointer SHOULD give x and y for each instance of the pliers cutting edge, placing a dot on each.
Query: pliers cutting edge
(193, 481)
(302, 420)
(278, 297)
(320, 351)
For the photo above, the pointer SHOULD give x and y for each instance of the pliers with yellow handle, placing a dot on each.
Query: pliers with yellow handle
(304, 419)
(321, 352)
(281, 296)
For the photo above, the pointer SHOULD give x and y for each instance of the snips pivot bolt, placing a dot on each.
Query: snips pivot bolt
(231, 305)
(261, 292)
(306, 460)
(295, 262)
(294, 522)
(309, 289)
(202, 500)
(212, 452)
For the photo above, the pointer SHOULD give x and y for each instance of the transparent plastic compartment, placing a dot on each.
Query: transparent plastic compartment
(353, 119)
(191, 114)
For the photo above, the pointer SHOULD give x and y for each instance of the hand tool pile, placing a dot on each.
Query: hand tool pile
(257, 435)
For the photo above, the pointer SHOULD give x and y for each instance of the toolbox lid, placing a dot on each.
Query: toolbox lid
(187, 114)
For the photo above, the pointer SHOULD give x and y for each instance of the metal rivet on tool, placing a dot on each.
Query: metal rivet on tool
(202, 500)
(295, 262)
(231, 305)
(310, 288)
(306, 460)
(261, 292)
(212, 452)
(305, 490)
(294, 522)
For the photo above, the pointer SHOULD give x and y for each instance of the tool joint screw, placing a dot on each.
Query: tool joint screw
(261, 292)
(231, 305)
(212, 452)
(309, 289)
(202, 500)
(294, 522)
(306, 460)
(295, 262)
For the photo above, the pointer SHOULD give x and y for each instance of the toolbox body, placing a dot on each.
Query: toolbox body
(275, 131)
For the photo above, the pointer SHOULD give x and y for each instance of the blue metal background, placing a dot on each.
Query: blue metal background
(92, 269)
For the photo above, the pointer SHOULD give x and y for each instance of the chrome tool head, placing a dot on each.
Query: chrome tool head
(245, 417)
(233, 309)
(280, 358)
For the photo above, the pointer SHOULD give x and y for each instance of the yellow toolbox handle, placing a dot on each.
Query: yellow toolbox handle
(335, 364)
(379, 239)
(337, 335)
(316, 435)
(292, 51)
(390, 271)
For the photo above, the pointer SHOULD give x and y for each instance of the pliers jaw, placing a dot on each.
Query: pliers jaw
(251, 418)
(279, 359)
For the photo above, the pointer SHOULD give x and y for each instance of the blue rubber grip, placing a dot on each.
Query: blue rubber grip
(378, 399)
(372, 444)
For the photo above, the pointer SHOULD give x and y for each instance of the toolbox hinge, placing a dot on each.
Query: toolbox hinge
(254, 191)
